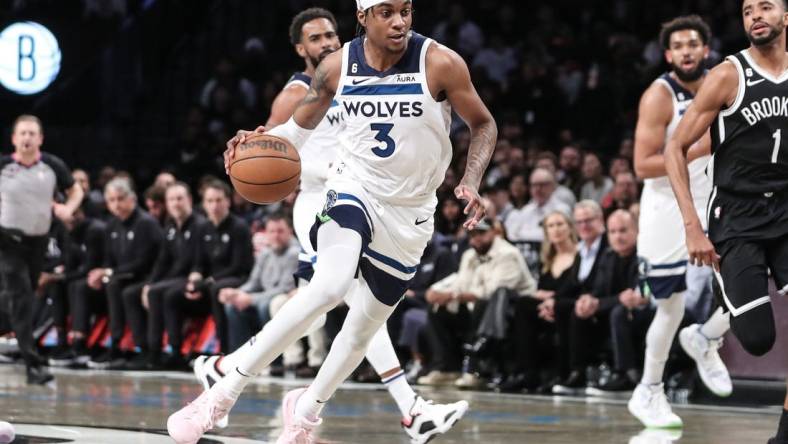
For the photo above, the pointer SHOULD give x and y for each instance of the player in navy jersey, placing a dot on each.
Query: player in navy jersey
(745, 103)
(397, 89)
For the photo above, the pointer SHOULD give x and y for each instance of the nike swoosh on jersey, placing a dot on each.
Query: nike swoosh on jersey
(419, 222)
(751, 82)
(358, 82)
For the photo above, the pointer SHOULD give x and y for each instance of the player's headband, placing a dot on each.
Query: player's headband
(363, 5)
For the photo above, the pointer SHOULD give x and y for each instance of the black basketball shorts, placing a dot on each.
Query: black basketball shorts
(745, 266)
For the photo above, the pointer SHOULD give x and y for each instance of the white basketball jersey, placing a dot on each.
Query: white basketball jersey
(395, 142)
(319, 152)
(700, 183)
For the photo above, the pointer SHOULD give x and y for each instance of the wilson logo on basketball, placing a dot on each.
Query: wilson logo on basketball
(265, 144)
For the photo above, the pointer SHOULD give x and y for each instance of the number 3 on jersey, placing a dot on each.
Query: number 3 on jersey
(383, 130)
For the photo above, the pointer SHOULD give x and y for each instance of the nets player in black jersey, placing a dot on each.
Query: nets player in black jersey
(744, 101)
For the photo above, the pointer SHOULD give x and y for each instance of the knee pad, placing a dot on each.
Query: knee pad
(755, 330)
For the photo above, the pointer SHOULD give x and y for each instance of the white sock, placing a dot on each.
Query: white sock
(309, 407)
(660, 336)
(234, 382)
(401, 391)
(364, 319)
(383, 358)
(717, 325)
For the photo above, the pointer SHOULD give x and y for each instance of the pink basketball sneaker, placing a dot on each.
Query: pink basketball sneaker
(296, 430)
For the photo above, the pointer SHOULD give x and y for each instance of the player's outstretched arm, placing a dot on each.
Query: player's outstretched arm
(317, 101)
(654, 115)
(308, 113)
(285, 105)
(718, 91)
(453, 78)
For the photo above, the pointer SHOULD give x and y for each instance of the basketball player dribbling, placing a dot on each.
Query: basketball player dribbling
(313, 33)
(744, 101)
(397, 89)
(661, 238)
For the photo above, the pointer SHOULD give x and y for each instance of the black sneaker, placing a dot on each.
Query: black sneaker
(517, 383)
(62, 356)
(140, 361)
(175, 362)
(618, 382)
(111, 358)
(81, 353)
(38, 375)
(574, 384)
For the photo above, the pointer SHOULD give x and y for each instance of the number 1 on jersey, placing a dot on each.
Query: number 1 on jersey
(383, 130)
(777, 136)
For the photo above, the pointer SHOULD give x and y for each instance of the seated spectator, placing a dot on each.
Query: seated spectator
(448, 223)
(224, 257)
(248, 306)
(459, 301)
(555, 294)
(590, 225)
(629, 322)
(409, 319)
(85, 248)
(619, 165)
(549, 161)
(164, 179)
(596, 185)
(166, 283)
(615, 283)
(624, 194)
(500, 198)
(570, 174)
(133, 242)
(91, 207)
(524, 224)
(154, 203)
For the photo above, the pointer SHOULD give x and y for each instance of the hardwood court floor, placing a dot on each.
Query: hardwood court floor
(116, 408)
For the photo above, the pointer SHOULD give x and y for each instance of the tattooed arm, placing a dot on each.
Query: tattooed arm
(308, 113)
(313, 108)
(448, 74)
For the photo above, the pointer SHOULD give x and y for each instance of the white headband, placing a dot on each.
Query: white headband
(363, 5)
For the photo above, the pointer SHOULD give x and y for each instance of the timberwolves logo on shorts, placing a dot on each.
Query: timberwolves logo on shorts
(644, 269)
(331, 200)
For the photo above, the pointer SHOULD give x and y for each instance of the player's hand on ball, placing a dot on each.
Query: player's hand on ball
(475, 205)
(239, 138)
(700, 249)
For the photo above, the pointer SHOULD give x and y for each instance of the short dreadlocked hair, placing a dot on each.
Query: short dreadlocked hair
(683, 23)
(305, 16)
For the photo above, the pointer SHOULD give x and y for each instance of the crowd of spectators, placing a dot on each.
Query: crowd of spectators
(562, 80)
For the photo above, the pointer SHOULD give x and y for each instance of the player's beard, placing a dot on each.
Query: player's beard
(765, 40)
(690, 76)
(316, 60)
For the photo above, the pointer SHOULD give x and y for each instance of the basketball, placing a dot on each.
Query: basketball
(265, 169)
(6, 432)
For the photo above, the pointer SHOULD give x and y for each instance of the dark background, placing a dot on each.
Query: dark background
(128, 91)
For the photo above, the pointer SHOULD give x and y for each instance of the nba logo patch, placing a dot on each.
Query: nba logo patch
(717, 212)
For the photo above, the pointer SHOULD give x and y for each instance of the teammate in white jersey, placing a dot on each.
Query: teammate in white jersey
(661, 240)
(313, 34)
(395, 87)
